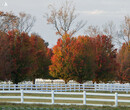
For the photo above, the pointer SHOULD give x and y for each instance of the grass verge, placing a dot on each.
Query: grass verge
(58, 107)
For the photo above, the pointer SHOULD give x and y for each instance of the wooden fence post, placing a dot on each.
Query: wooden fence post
(84, 97)
(126, 87)
(65, 87)
(110, 87)
(95, 85)
(52, 95)
(22, 96)
(9, 87)
(3, 87)
(116, 99)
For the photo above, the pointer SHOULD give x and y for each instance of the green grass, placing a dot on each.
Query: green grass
(6, 106)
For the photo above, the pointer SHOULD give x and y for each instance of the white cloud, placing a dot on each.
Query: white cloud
(120, 12)
(94, 12)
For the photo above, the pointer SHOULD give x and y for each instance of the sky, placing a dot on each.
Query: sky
(95, 12)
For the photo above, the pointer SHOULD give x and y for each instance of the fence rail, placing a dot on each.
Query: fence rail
(53, 97)
(68, 87)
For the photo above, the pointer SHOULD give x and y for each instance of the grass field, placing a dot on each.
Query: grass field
(6, 106)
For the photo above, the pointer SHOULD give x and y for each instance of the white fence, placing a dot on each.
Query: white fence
(53, 97)
(68, 87)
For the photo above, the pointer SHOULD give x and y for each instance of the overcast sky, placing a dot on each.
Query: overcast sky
(96, 12)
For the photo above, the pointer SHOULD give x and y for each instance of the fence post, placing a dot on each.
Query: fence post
(31, 86)
(26, 86)
(65, 87)
(126, 89)
(110, 87)
(9, 87)
(70, 87)
(83, 87)
(46, 87)
(15, 87)
(84, 97)
(74, 87)
(22, 96)
(51, 86)
(95, 85)
(61, 87)
(52, 95)
(116, 99)
(107, 89)
(3, 87)
(56, 87)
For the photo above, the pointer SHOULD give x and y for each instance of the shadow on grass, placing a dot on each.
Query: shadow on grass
(56, 107)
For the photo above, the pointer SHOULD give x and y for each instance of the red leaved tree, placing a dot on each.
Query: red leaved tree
(41, 56)
(105, 59)
(124, 61)
(73, 59)
(84, 58)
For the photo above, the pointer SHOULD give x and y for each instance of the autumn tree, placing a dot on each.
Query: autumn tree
(60, 60)
(124, 61)
(105, 59)
(20, 54)
(23, 22)
(73, 59)
(23, 57)
(84, 62)
(84, 58)
(5, 57)
(41, 56)
(64, 19)
(14, 56)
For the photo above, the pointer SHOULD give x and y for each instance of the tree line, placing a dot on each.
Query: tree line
(87, 57)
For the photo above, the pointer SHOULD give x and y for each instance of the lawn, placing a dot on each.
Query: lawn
(7, 106)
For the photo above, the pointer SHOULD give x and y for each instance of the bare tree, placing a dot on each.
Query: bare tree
(23, 22)
(124, 33)
(93, 31)
(63, 19)
(7, 21)
(109, 29)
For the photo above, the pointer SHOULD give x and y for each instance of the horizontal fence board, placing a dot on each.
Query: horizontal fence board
(66, 98)
(128, 101)
(69, 93)
(32, 97)
(103, 100)
(10, 97)
(100, 94)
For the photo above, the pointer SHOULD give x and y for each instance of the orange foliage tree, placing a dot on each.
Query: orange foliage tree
(84, 58)
(124, 61)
